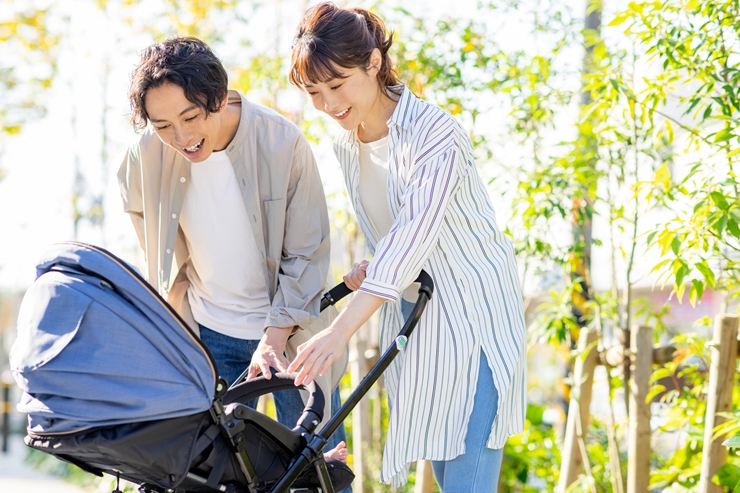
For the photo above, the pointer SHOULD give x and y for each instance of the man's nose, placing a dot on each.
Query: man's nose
(182, 137)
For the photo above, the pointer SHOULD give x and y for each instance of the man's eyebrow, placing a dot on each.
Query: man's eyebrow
(189, 108)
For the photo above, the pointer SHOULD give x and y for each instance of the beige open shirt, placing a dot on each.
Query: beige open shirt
(284, 198)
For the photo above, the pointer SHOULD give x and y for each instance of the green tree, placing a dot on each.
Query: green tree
(696, 45)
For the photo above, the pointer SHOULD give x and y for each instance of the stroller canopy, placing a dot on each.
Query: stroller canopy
(97, 346)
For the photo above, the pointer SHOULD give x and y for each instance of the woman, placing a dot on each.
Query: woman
(458, 391)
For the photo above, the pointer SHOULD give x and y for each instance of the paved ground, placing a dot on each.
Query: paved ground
(18, 477)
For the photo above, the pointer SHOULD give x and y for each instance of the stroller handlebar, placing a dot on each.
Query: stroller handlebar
(252, 389)
(341, 290)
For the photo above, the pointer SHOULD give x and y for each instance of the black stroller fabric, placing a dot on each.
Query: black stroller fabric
(155, 415)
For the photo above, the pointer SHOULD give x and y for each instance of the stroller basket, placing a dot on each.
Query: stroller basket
(115, 382)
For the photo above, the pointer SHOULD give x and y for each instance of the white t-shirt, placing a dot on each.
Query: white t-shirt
(227, 290)
(373, 160)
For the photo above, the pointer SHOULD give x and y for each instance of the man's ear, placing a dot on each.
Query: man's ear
(224, 102)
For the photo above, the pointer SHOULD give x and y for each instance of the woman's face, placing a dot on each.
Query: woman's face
(353, 100)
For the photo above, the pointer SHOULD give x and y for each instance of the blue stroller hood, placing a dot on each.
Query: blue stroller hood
(97, 346)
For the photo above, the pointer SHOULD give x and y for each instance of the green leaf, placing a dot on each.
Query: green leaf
(665, 240)
(675, 245)
(733, 442)
(680, 275)
(535, 413)
(728, 475)
(619, 19)
(655, 390)
(660, 373)
(708, 274)
(719, 199)
(723, 135)
(663, 175)
(696, 291)
(732, 227)
(651, 236)
(720, 224)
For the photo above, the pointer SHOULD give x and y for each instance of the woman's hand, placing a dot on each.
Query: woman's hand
(318, 354)
(270, 353)
(354, 279)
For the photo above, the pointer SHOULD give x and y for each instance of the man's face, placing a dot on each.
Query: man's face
(182, 124)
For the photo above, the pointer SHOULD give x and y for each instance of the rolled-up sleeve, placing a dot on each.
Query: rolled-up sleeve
(304, 262)
(401, 254)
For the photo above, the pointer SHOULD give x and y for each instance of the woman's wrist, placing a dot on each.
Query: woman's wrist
(357, 312)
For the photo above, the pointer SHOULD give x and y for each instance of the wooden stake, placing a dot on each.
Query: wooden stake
(360, 417)
(578, 410)
(424, 477)
(638, 451)
(719, 397)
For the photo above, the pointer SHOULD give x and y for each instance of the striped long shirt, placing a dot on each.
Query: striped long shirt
(444, 223)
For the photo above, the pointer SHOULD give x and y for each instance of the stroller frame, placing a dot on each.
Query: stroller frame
(312, 453)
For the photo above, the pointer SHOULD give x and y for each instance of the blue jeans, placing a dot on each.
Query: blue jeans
(234, 355)
(476, 470)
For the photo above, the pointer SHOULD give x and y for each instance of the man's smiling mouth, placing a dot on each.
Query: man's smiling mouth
(195, 147)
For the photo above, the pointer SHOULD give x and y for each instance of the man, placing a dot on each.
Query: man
(228, 205)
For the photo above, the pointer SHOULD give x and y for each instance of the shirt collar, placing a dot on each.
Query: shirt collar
(244, 122)
(404, 112)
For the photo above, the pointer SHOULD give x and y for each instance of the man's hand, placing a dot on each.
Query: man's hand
(354, 279)
(270, 353)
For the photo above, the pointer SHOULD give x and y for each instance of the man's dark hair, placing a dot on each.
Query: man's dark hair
(186, 62)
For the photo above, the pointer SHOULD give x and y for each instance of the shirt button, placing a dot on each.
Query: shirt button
(174, 216)
(168, 251)
(182, 179)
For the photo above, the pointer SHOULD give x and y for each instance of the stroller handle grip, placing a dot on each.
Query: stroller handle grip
(251, 389)
(341, 290)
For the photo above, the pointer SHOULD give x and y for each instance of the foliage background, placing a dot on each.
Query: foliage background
(610, 151)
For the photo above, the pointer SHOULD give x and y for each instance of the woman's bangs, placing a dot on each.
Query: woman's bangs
(312, 67)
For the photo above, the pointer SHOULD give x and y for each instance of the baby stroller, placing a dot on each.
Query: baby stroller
(115, 382)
